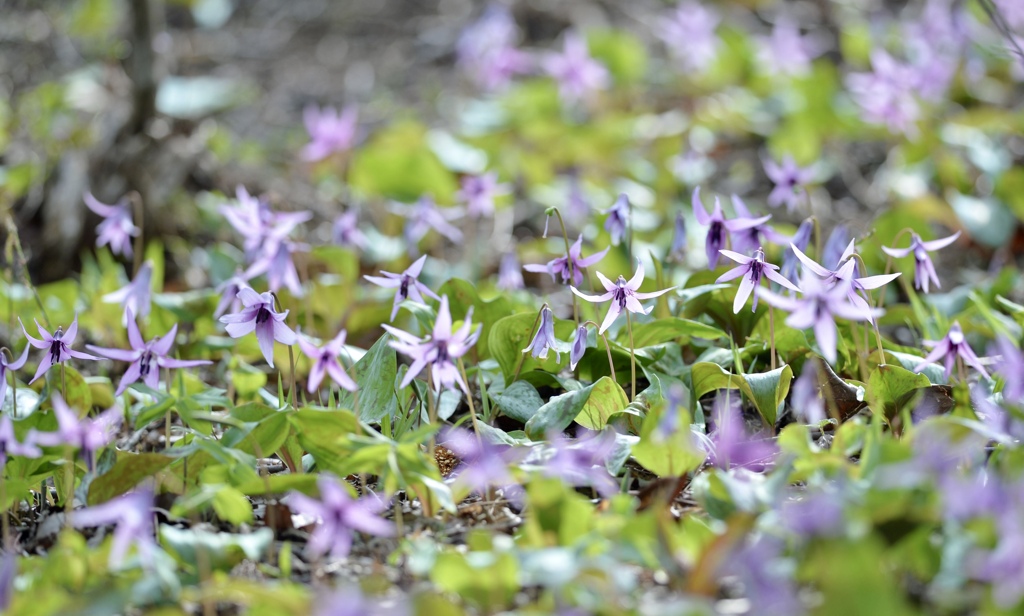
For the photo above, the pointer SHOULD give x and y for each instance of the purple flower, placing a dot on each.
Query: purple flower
(478, 192)
(671, 412)
(689, 33)
(732, 445)
(751, 269)
(800, 240)
(561, 264)
(134, 297)
(545, 339)
(837, 247)
(258, 315)
(484, 464)
(886, 95)
(423, 216)
(805, 399)
(582, 463)
(817, 513)
(325, 360)
(345, 231)
(439, 351)
(752, 238)
(577, 73)
(618, 218)
(923, 268)
(133, 515)
(145, 358)
(407, 284)
(623, 295)
(58, 346)
(260, 226)
(1011, 368)
(14, 365)
(677, 251)
(8, 572)
(86, 435)
(756, 565)
(329, 131)
(338, 515)
(510, 276)
(857, 288)
(817, 309)
(785, 51)
(579, 346)
(951, 347)
(789, 180)
(1003, 567)
(117, 229)
(9, 445)
(486, 50)
(577, 208)
(229, 294)
(718, 226)
(277, 262)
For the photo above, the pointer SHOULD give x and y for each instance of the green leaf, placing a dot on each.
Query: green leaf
(667, 455)
(606, 398)
(707, 377)
(671, 328)
(398, 163)
(77, 393)
(558, 413)
(222, 551)
(768, 390)
(620, 51)
(520, 401)
(375, 374)
(232, 506)
(510, 335)
(128, 471)
(462, 295)
(890, 387)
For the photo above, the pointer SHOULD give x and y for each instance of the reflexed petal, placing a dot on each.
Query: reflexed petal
(774, 276)
(592, 298)
(735, 256)
(71, 333)
(733, 274)
(742, 294)
(941, 243)
(162, 346)
(117, 354)
(341, 377)
(18, 363)
(810, 263)
(897, 253)
(874, 282)
(699, 212)
(592, 259)
(613, 312)
(316, 374)
(392, 283)
(825, 334)
(44, 365)
(416, 267)
(39, 344)
(638, 277)
(652, 294)
(607, 284)
(443, 322)
(283, 333)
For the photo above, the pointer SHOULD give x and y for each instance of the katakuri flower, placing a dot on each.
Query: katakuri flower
(483, 464)
(677, 252)
(624, 295)
(58, 346)
(837, 246)
(13, 365)
(732, 445)
(9, 445)
(407, 283)
(577, 73)
(277, 261)
(345, 231)
(439, 351)
(718, 226)
(146, 358)
(423, 216)
(259, 226)
(806, 400)
(86, 435)
(337, 516)
(1011, 368)
(786, 51)
(579, 346)
(133, 515)
(544, 340)
(478, 193)
(229, 294)
(800, 239)
(844, 274)
(135, 296)
(582, 463)
(746, 241)
(510, 275)
(751, 269)
(949, 349)
(117, 229)
(561, 265)
(329, 131)
(618, 219)
(924, 270)
(689, 34)
(486, 50)
(789, 179)
(325, 360)
(258, 315)
(886, 95)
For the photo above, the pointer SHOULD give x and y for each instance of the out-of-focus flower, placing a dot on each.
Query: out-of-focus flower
(134, 297)
(746, 241)
(337, 516)
(924, 270)
(677, 251)
(9, 445)
(800, 240)
(329, 131)
(345, 231)
(229, 294)
(423, 216)
(484, 464)
(582, 463)
(718, 226)
(86, 435)
(260, 227)
(732, 445)
(278, 263)
(510, 275)
(478, 192)
(145, 358)
(790, 180)
(561, 265)
(951, 347)
(618, 219)
(624, 295)
(886, 95)
(1011, 368)
(324, 359)
(689, 34)
(806, 399)
(439, 351)
(579, 346)
(486, 50)
(258, 315)
(577, 73)
(817, 513)
(117, 229)
(756, 565)
(13, 365)
(133, 515)
(751, 269)
(58, 346)
(786, 51)
(837, 247)
(407, 284)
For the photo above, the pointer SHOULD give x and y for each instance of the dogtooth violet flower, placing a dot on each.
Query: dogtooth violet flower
(329, 131)
(732, 445)
(58, 346)
(577, 73)
(924, 270)
(745, 241)
(800, 239)
(483, 464)
(477, 193)
(423, 216)
(13, 365)
(806, 401)
(407, 283)
(1011, 368)
(117, 229)
(857, 288)
(132, 514)
(581, 463)
(9, 445)
(624, 295)
(439, 350)
(146, 358)
(837, 246)
(561, 265)
(337, 516)
(229, 293)
(544, 340)
(277, 262)
(751, 271)
(345, 231)
(325, 360)
(677, 251)
(689, 34)
(951, 347)
(134, 297)
(618, 217)
(789, 179)
(87, 435)
(718, 226)
(786, 51)
(510, 275)
(258, 315)
(486, 49)
(260, 226)
(579, 346)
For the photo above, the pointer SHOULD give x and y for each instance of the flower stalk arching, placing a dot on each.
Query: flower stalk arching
(553, 211)
(291, 353)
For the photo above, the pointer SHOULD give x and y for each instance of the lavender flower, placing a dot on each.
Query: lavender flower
(145, 358)
(857, 288)
(561, 264)
(752, 238)
(14, 365)
(751, 269)
(789, 180)
(1011, 368)
(732, 445)
(545, 339)
(785, 51)
(86, 435)
(800, 240)
(818, 513)
(923, 268)
(582, 463)
(117, 229)
(951, 347)
(806, 400)
(837, 247)
(618, 217)
(277, 262)
(484, 464)
(579, 346)
(407, 284)
(134, 297)
(886, 95)
(133, 515)
(677, 251)
(510, 276)
(325, 360)
(689, 33)
(345, 231)
(478, 192)
(258, 315)
(423, 216)
(439, 351)
(623, 294)
(58, 346)
(260, 226)
(229, 294)
(329, 131)
(9, 445)
(756, 566)
(338, 515)
(718, 226)
(486, 50)
(577, 73)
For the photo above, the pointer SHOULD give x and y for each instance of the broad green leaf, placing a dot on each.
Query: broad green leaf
(128, 471)
(232, 506)
(606, 398)
(222, 551)
(558, 413)
(890, 387)
(671, 328)
(375, 375)
(510, 335)
(768, 390)
(520, 401)
(707, 377)
(667, 455)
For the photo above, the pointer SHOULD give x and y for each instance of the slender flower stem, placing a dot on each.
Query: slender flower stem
(291, 352)
(14, 389)
(536, 322)
(69, 484)
(140, 216)
(817, 237)
(469, 399)
(771, 332)
(874, 321)
(632, 355)
(568, 259)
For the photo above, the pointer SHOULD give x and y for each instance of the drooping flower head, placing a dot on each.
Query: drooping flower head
(746, 241)
(544, 340)
(478, 193)
(229, 294)
(751, 270)
(924, 270)
(790, 180)
(677, 252)
(618, 219)
(12, 365)
(806, 399)
(58, 346)
(886, 95)
(117, 229)
(337, 516)
(624, 295)
(86, 435)
(689, 34)
(258, 315)
(260, 227)
(324, 360)
(952, 346)
(133, 515)
(345, 231)
(510, 275)
(10, 446)
(561, 265)
(718, 226)
(577, 73)
(407, 284)
(486, 50)
(329, 131)
(844, 274)
(134, 297)
(439, 350)
(483, 464)
(800, 239)
(733, 446)
(1011, 368)
(277, 261)
(579, 346)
